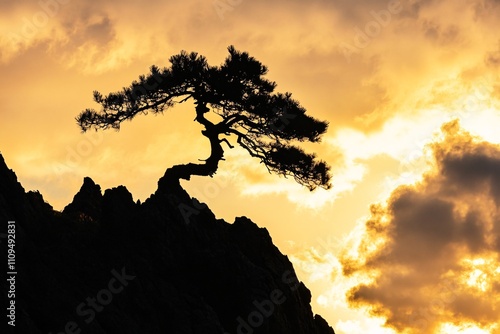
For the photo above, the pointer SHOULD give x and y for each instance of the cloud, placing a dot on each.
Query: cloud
(433, 250)
(493, 57)
(432, 60)
(439, 34)
(301, 45)
(94, 37)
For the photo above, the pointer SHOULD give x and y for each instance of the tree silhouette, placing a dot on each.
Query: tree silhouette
(266, 124)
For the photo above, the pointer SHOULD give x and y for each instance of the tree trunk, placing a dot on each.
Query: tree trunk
(185, 171)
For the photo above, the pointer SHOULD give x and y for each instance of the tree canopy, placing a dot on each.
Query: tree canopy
(268, 125)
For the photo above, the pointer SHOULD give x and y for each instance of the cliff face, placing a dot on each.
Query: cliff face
(109, 265)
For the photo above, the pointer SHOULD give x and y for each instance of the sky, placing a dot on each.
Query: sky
(407, 240)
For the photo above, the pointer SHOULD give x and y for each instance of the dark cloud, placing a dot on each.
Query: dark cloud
(486, 8)
(493, 57)
(412, 9)
(442, 35)
(101, 31)
(430, 232)
(94, 28)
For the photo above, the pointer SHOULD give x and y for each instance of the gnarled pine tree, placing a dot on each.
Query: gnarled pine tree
(266, 124)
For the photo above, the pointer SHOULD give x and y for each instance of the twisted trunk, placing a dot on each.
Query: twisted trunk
(185, 171)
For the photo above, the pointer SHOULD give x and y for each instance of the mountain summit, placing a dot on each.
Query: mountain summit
(107, 264)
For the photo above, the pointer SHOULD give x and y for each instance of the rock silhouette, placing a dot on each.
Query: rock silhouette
(107, 264)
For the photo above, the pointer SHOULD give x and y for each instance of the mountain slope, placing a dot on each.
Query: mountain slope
(109, 265)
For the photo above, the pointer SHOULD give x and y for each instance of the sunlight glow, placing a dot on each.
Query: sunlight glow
(321, 267)
(480, 273)
(477, 278)
(345, 179)
(385, 103)
(368, 325)
(465, 328)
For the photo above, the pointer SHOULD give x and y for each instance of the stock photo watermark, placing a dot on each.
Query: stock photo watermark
(221, 7)
(467, 106)
(363, 36)
(75, 154)
(284, 119)
(213, 188)
(31, 25)
(87, 310)
(446, 294)
(11, 273)
(264, 309)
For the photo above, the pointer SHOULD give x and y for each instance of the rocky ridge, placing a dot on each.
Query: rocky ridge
(107, 264)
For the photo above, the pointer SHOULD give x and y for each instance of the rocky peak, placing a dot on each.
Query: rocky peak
(164, 266)
(87, 203)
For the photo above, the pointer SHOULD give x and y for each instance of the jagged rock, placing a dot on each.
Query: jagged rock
(87, 203)
(164, 266)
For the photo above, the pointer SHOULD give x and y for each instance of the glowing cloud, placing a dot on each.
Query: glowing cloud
(432, 251)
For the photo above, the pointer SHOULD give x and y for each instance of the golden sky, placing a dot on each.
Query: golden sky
(408, 239)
